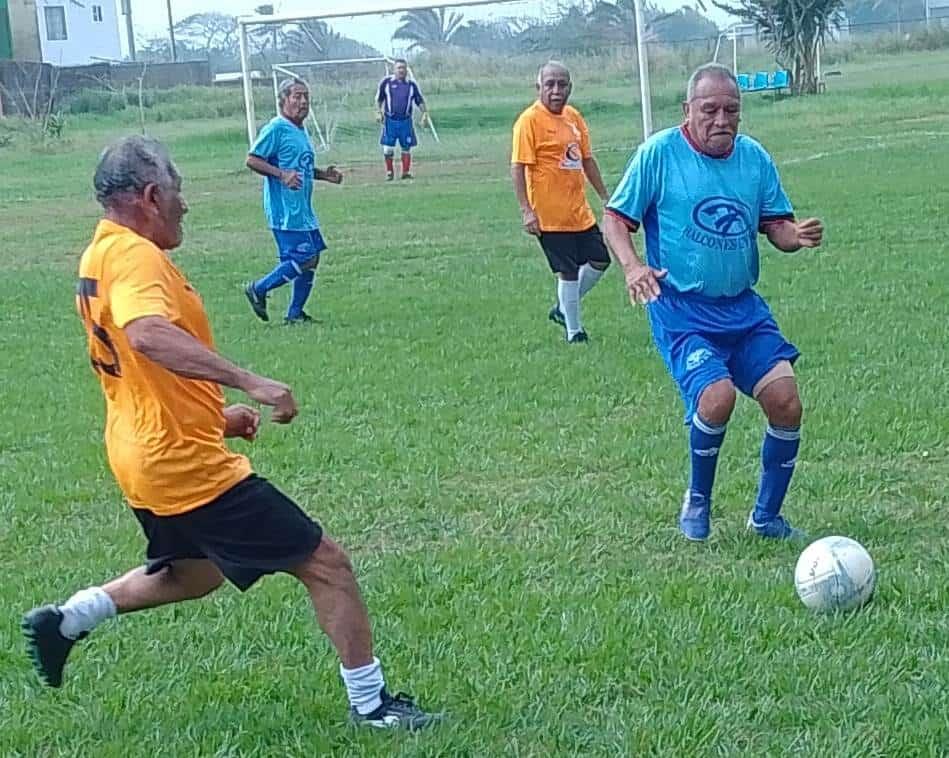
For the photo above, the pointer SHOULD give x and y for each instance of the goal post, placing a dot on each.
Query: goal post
(405, 6)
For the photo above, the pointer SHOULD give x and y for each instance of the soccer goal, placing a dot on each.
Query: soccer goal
(506, 35)
(328, 100)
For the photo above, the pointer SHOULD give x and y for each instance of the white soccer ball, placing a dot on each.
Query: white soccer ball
(834, 574)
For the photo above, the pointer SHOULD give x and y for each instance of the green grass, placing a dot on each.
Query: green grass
(509, 503)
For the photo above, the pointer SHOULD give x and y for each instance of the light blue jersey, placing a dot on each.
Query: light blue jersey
(701, 215)
(284, 144)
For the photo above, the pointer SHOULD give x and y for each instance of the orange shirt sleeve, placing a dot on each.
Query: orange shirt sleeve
(586, 149)
(523, 151)
(140, 285)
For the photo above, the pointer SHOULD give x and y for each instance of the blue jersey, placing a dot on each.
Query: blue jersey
(284, 144)
(701, 215)
(398, 97)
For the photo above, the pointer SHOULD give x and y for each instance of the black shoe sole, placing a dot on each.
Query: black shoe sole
(260, 311)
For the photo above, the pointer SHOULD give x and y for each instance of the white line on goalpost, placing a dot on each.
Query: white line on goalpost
(403, 6)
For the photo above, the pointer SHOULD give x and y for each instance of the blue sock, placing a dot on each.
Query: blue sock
(285, 272)
(778, 456)
(301, 291)
(705, 440)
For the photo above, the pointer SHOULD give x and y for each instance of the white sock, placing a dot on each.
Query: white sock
(589, 276)
(569, 295)
(363, 686)
(84, 611)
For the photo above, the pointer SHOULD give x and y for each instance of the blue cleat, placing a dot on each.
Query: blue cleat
(777, 528)
(695, 518)
(556, 315)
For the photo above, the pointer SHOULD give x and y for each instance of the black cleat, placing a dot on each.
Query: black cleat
(46, 645)
(580, 336)
(257, 302)
(399, 712)
(556, 315)
(303, 318)
(389, 176)
(407, 175)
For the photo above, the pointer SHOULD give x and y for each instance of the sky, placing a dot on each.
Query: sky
(151, 16)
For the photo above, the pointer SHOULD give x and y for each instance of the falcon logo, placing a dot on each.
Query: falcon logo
(722, 216)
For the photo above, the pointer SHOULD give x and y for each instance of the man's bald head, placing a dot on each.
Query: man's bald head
(553, 86)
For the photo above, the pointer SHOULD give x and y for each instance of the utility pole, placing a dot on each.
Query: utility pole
(129, 29)
(171, 33)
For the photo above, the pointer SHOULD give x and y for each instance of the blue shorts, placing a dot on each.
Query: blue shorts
(400, 130)
(703, 340)
(299, 247)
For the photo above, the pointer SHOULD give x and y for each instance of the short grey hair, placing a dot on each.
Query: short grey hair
(283, 89)
(551, 64)
(126, 167)
(709, 71)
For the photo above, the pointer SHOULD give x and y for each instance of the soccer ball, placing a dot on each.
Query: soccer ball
(834, 574)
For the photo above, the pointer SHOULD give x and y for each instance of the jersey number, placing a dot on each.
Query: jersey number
(102, 353)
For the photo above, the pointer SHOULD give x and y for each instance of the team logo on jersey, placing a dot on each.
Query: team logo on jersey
(572, 157)
(723, 216)
(306, 164)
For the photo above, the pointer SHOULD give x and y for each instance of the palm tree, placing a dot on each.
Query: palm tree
(429, 29)
(794, 30)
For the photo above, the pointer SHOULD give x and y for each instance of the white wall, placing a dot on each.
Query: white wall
(86, 38)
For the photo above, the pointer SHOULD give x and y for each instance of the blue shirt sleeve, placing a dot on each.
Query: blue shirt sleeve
(267, 144)
(381, 94)
(417, 94)
(774, 204)
(636, 191)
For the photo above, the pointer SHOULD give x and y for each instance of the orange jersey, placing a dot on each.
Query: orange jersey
(164, 433)
(553, 147)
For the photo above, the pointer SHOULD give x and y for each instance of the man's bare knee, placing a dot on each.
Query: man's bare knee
(717, 402)
(781, 403)
(327, 565)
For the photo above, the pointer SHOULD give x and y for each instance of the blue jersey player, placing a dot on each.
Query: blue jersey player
(283, 155)
(396, 99)
(702, 193)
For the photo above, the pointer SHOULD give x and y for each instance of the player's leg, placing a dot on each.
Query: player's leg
(597, 259)
(176, 571)
(307, 254)
(560, 248)
(697, 363)
(387, 140)
(254, 530)
(763, 370)
(407, 140)
(286, 270)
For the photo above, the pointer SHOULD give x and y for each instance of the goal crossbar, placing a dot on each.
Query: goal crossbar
(339, 11)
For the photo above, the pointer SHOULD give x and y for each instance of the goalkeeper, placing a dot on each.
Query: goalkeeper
(396, 98)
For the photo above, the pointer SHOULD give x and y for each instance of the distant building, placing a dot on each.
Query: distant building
(60, 32)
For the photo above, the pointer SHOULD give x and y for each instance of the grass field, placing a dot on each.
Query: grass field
(509, 501)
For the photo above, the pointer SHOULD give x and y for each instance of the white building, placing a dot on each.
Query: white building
(75, 32)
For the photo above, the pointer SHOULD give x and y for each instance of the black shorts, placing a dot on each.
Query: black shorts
(567, 251)
(251, 530)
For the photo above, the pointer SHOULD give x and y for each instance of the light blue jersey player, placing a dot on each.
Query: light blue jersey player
(283, 155)
(702, 193)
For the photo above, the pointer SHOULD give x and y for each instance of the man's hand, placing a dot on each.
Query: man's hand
(424, 119)
(810, 232)
(531, 224)
(241, 421)
(379, 117)
(332, 175)
(642, 282)
(291, 179)
(275, 394)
